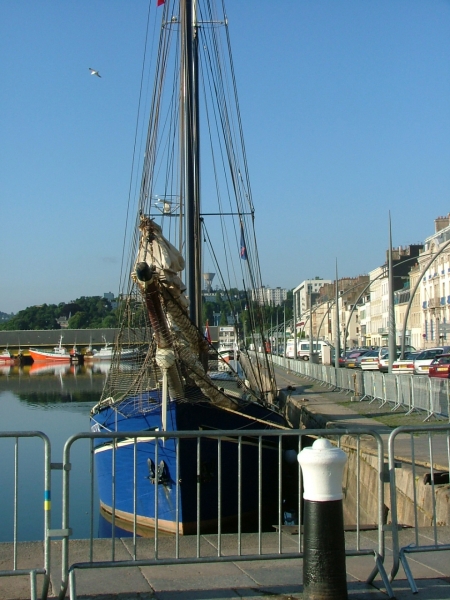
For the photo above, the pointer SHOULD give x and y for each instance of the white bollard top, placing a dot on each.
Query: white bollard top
(322, 466)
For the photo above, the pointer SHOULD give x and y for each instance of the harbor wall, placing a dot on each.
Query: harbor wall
(414, 494)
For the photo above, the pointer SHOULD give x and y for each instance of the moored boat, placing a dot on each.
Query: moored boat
(169, 388)
(6, 357)
(59, 353)
(107, 353)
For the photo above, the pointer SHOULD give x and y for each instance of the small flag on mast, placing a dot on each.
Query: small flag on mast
(243, 251)
(160, 2)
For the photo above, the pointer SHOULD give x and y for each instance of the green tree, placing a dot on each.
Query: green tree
(85, 312)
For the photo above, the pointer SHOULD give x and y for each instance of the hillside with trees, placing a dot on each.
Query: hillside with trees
(95, 312)
(84, 313)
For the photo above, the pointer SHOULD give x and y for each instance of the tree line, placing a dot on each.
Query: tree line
(87, 312)
(95, 312)
(235, 305)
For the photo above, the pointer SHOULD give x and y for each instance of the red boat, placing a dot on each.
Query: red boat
(6, 358)
(59, 353)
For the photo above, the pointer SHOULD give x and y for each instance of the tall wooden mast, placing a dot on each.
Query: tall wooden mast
(190, 139)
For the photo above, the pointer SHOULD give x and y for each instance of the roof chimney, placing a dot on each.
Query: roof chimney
(441, 223)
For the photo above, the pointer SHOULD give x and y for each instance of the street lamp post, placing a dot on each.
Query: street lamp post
(310, 324)
(295, 325)
(392, 346)
(337, 347)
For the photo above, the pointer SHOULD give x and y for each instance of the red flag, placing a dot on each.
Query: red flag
(207, 332)
(243, 250)
(160, 2)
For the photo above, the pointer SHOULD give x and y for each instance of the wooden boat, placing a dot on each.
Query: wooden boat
(59, 353)
(170, 388)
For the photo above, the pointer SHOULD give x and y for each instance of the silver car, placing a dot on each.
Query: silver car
(426, 357)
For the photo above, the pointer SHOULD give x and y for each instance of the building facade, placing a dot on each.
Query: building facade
(308, 291)
(434, 269)
(269, 296)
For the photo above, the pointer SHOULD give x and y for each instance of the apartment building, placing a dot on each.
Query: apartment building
(308, 291)
(269, 296)
(434, 287)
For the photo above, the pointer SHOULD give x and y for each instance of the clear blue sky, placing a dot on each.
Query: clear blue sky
(346, 115)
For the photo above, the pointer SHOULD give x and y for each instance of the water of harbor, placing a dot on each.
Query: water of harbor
(55, 400)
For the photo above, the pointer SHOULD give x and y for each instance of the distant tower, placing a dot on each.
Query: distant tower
(208, 277)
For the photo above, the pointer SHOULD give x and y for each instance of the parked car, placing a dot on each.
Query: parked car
(440, 367)
(369, 361)
(426, 357)
(382, 350)
(383, 362)
(343, 357)
(405, 365)
(351, 359)
(303, 348)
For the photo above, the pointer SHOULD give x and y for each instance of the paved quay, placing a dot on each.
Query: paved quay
(279, 579)
(329, 408)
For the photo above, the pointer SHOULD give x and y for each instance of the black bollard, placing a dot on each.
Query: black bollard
(324, 571)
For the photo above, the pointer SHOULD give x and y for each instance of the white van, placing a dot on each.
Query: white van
(303, 348)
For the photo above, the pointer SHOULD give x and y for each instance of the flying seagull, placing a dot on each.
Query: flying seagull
(94, 72)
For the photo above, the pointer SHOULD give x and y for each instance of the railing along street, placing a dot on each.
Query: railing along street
(175, 551)
(428, 395)
(269, 543)
(13, 444)
(432, 473)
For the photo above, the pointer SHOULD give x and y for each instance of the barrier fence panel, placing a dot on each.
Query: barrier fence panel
(323, 377)
(348, 381)
(333, 377)
(428, 447)
(404, 392)
(378, 387)
(222, 471)
(439, 397)
(390, 389)
(368, 385)
(25, 506)
(421, 394)
(340, 379)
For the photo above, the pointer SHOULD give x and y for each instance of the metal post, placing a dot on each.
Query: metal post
(310, 324)
(295, 325)
(391, 330)
(284, 334)
(277, 342)
(337, 341)
(324, 570)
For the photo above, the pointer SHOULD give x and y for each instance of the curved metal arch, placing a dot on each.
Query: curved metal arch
(365, 290)
(416, 287)
(410, 300)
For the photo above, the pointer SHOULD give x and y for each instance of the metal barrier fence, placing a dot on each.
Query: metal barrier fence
(18, 508)
(427, 476)
(424, 450)
(267, 448)
(410, 392)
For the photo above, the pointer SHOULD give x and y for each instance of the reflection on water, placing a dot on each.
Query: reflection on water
(55, 399)
(56, 369)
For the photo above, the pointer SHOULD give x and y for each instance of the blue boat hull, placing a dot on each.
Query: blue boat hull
(179, 497)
